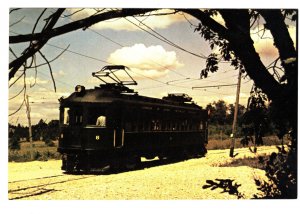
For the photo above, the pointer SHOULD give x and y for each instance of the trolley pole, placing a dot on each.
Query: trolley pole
(235, 115)
(29, 126)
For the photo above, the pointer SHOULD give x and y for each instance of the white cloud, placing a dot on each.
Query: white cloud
(152, 61)
(60, 73)
(230, 99)
(43, 103)
(122, 24)
(29, 80)
(265, 46)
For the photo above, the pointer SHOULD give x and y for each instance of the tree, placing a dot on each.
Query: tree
(218, 111)
(52, 131)
(39, 130)
(236, 45)
(230, 115)
(14, 142)
(279, 80)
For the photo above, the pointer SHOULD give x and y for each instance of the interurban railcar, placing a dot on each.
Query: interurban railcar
(112, 125)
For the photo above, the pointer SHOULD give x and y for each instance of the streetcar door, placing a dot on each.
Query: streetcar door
(116, 118)
(118, 138)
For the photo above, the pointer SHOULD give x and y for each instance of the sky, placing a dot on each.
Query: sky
(158, 68)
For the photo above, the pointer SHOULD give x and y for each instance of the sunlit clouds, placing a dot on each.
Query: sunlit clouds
(264, 43)
(29, 81)
(152, 61)
(43, 104)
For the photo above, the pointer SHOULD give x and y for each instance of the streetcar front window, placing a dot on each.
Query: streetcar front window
(101, 121)
(66, 116)
(97, 116)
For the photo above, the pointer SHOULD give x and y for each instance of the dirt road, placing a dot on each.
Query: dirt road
(182, 180)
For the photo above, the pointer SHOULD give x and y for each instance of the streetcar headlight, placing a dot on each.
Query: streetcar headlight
(80, 89)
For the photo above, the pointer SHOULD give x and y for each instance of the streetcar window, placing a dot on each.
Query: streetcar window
(169, 125)
(76, 116)
(146, 125)
(78, 119)
(201, 125)
(128, 126)
(158, 125)
(134, 126)
(94, 116)
(66, 116)
(155, 125)
(101, 121)
(174, 126)
(182, 126)
(141, 126)
(163, 125)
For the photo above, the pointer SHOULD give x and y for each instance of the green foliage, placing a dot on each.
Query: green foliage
(14, 143)
(40, 130)
(257, 120)
(37, 155)
(281, 171)
(20, 131)
(49, 142)
(282, 88)
(41, 152)
(211, 65)
(220, 113)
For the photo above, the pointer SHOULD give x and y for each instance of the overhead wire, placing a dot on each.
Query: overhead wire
(164, 39)
(171, 43)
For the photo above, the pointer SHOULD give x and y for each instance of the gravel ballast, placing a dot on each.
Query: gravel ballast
(181, 180)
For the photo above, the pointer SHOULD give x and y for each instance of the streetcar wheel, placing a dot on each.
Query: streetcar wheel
(132, 162)
(70, 166)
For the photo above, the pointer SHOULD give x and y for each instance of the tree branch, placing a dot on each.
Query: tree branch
(50, 69)
(282, 39)
(83, 23)
(36, 46)
(238, 36)
(284, 43)
(208, 21)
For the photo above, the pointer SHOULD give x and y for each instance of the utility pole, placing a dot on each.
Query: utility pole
(235, 115)
(29, 126)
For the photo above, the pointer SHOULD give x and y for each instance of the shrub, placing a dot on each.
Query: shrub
(14, 143)
(49, 142)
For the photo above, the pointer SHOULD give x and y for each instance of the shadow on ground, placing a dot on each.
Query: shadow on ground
(107, 170)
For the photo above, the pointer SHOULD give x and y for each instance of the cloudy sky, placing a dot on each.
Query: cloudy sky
(158, 67)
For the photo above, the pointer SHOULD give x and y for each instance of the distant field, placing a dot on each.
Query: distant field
(225, 144)
(40, 152)
(43, 152)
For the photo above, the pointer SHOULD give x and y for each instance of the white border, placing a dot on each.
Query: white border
(141, 207)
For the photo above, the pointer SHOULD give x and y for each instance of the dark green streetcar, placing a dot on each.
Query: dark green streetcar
(111, 125)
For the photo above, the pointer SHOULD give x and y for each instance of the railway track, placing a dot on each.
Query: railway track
(22, 189)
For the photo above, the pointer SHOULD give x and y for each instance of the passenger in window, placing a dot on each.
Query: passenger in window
(101, 121)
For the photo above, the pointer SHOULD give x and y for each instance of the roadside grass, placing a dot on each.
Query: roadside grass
(41, 152)
(253, 162)
(214, 144)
